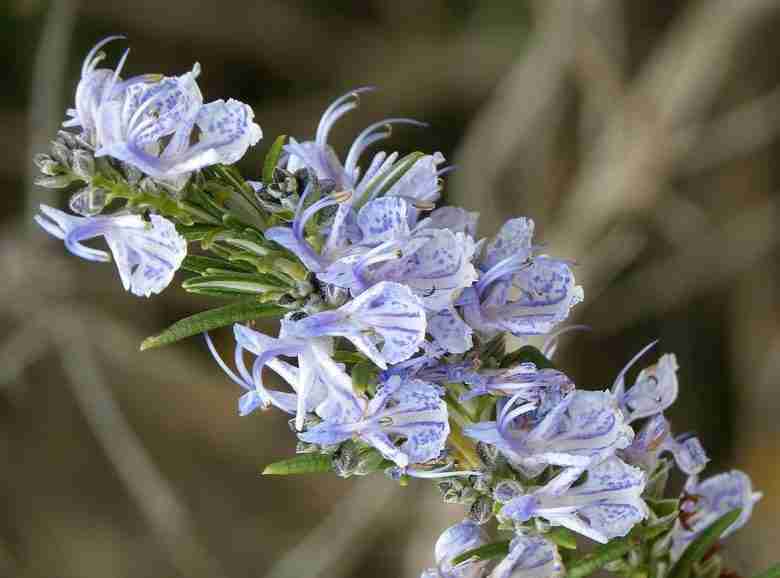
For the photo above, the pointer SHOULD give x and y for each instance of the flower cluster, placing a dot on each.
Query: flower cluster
(392, 350)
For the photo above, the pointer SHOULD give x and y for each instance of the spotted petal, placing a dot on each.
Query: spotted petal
(383, 219)
(147, 254)
(437, 268)
(455, 219)
(512, 241)
(454, 541)
(607, 505)
(530, 557)
(654, 391)
(449, 331)
(388, 310)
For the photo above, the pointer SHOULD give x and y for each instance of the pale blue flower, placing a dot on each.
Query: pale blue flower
(517, 291)
(530, 557)
(453, 542)
(158, 124)
(388, 313)
(147, 253)
(654, 390)
(607, 505)
(420, 182)
(293, 238)
(523, 381)
(133, 123)
(257, 394)
(412, 411)
(584, 428)
(705, 501)
(388, 316)
(449, 331)
(655, 438)
(434, 263)
(455, 219)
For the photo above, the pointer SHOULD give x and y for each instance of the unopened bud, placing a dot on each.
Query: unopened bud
(481, 510)
(88, 202)
(83, 164)
(488, 454)
(507, 490)
(132, 173)
(47, 165)
(57, 182)
(61, 152)
(345, 461)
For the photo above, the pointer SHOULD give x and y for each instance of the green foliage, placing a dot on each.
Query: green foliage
(615, 550)
(364, 375)
(527, 354)
(272, 159)
(212, 319)
(563, 537)
(486, 552)
(302, 464)
(697, 549)
(388, 178)
(773, 572)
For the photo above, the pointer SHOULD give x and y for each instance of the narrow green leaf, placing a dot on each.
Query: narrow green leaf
(662, 508)
(496, 347)
(363, 375)
(486, 552)
(348, 356)
(388, 178)
(615, 549)
(200, 264)
(563, 537)
(600, 557)
(244, 283)
(196, 232)
(773, 572)
(272, 159)
(302, 464)
(212, 319)
(527, 353)
(701, 545)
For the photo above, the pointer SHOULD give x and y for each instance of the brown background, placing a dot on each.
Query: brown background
(641, 136)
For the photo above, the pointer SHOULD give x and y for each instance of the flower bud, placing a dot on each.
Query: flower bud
(481, 510)
(56, 182)
(61, 152)
(47, 165)
(345, 461)
(83, 164)
(88, 202)
(507, 490)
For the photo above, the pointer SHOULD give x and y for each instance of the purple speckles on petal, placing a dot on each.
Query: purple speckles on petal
(711, 498)
(147, 254)
(384, 219)
(530, 557)
(411, 412)
(607, 505)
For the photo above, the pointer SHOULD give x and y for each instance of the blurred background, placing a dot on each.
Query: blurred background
(642, 136)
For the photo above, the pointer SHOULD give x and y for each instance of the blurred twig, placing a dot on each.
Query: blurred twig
(337, 540)
(167, 516)
(712, 257)
(46, 90)
(736, 134)
(516, 110)
(630, 161)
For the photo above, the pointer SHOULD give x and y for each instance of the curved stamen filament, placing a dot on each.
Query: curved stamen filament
(373, 133)
(336, 110)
